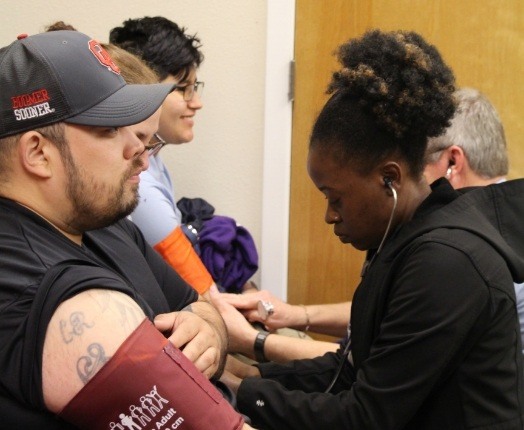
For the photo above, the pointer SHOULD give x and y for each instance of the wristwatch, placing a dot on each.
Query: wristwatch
(259, 346)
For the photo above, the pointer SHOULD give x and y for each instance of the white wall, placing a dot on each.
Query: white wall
(277, 147)
(225, 162)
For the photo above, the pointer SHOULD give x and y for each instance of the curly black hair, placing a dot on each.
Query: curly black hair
(161, 43)
(392, 93)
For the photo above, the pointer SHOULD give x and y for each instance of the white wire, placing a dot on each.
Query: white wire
(386, 233)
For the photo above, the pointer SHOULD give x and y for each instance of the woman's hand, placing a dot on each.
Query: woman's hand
(241, 333)
(284, 314)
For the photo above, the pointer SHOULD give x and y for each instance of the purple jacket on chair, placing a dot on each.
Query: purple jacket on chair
(228, 252)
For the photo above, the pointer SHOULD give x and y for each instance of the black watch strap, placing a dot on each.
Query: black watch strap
(259, 346)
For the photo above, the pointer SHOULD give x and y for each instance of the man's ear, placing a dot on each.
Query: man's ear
(457, 158)
(35, 154)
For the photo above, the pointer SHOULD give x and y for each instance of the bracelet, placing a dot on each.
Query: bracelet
(259, 346)
(307, 318)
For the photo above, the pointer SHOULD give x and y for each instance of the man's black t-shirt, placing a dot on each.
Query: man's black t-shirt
(40, 268)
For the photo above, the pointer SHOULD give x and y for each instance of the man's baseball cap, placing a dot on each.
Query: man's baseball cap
(68, 76)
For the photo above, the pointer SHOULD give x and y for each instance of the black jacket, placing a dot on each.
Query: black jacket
(435, 334)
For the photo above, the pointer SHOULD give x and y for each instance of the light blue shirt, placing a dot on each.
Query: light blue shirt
(157, 214)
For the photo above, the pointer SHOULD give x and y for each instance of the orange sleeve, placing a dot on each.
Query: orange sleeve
(177, 250)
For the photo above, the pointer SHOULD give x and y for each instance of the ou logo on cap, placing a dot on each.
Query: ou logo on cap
(103, 56)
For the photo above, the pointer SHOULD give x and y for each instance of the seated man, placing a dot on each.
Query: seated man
(80, 287)
(472, 153)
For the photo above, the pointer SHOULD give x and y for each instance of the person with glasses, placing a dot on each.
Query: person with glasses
(175, 56)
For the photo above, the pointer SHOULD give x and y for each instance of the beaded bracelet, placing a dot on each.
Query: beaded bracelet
(307, 318)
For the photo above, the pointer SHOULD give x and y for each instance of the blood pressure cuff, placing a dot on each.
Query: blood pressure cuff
(150, 384)
(178, 251)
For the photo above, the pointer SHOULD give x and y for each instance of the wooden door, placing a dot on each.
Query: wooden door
(484, 44)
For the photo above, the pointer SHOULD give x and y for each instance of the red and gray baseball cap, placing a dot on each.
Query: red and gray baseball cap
(68, 76)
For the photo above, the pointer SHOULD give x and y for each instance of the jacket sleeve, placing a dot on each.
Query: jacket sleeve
(435, 303)
(310, 375)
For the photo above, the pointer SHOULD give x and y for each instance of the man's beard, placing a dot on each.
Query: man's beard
(97, 205)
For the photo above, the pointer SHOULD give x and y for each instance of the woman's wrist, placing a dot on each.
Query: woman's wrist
(307, 320)
(259, 346)
(298, 318)
(247, 348)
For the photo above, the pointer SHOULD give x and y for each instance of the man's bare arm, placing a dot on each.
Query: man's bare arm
(100, 330)
(83, 334)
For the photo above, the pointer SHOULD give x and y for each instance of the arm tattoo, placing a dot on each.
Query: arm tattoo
(74, 327)
(89, 364)
(129, 317)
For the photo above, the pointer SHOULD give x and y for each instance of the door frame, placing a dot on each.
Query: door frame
(280, 33)
(276, 179)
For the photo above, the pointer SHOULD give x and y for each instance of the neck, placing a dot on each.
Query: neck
(73, 237)
(483, 182)
(416, 193)
(474, 180)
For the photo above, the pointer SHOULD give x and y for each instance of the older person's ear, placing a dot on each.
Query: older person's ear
(35, 154)
(457, 163)
(457, 157)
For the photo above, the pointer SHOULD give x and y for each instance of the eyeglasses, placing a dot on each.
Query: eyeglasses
(155, 146)
(189, 90)
(152, 148)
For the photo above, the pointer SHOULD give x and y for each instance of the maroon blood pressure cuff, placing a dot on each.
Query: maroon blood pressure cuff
(150, 384)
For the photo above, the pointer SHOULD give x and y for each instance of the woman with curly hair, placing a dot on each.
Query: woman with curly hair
(434, 332)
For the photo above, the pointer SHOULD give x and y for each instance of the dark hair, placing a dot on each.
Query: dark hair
(392, 93)
(161, 43)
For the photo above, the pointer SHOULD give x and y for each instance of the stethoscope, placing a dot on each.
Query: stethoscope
(345, 357)
(346, 354)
